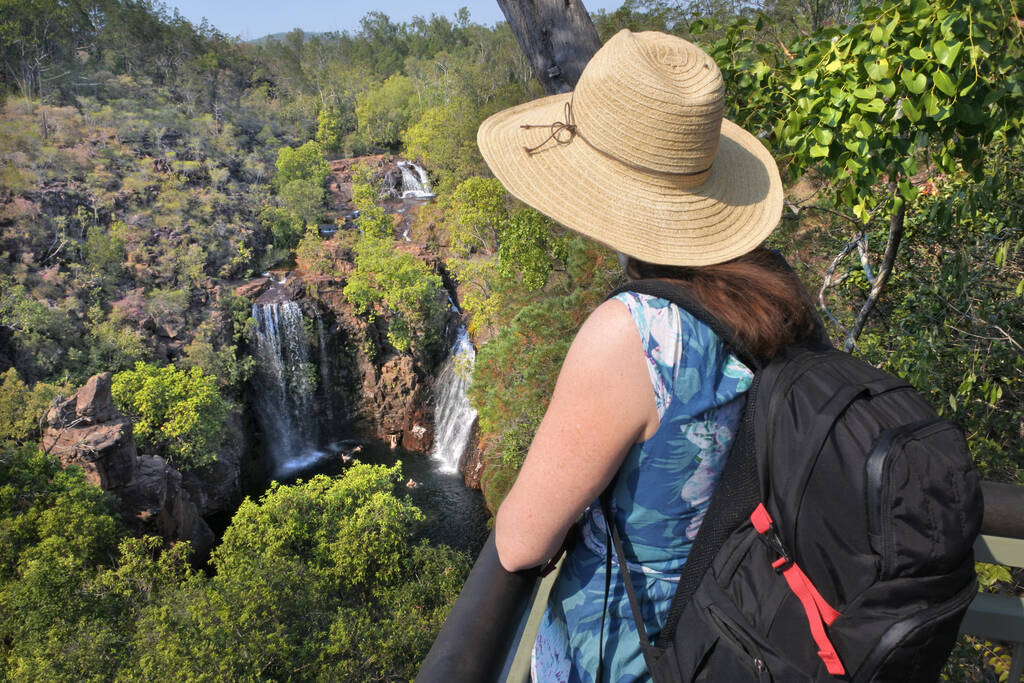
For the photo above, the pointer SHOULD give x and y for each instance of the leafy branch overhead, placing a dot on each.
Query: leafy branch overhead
(877, 108)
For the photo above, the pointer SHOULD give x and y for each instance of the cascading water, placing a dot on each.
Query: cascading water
(285, 380)
(453, 415)
(415, 184)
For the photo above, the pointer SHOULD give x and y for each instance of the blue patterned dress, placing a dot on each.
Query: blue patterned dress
(659, 499)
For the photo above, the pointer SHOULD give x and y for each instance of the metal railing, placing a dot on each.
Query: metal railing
(481, 638)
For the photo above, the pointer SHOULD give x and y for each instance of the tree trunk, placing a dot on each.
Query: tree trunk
(557, 37)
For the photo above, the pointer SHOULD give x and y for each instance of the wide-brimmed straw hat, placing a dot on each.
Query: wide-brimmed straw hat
(639, 156)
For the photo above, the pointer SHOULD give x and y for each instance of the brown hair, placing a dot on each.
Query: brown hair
(757, 295)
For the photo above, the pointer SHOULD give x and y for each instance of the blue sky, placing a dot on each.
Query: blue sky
(251, 19)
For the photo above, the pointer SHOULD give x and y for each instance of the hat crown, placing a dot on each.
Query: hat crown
(653, 101)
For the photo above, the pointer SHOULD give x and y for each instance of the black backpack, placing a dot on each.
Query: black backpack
(838, 542)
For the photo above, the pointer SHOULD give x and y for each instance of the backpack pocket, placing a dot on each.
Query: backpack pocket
(914, 649)
(923, 501)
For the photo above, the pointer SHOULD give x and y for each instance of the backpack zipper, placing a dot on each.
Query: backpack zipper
(732, 633)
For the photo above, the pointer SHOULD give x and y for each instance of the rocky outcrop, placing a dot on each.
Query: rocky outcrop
(87, 431)
(217, 488)
(473, 467)
(418, 426)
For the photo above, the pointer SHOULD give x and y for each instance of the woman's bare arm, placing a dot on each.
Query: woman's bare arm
(603, 403)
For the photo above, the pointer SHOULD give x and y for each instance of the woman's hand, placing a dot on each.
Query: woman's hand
(603, 403)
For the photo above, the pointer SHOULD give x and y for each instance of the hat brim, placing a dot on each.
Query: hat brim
(652, 216)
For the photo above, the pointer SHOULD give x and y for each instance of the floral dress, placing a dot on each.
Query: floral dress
(659, 498)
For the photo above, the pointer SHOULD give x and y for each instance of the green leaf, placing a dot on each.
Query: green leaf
(915, 82)
(1001, 253)
(830, 116)
(919, 53)
(818, 151)
(912, 112)
(873, 106)
(907, 190)
(878, 69)
(909, 166)
(866, 93)
(946, 54)
(943, 82)
(930, 103)
(887, 87)
(877, 34)
(891, 26)
(823, 136)
(858, 147)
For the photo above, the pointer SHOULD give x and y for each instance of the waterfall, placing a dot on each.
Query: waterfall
(453, 415)
(415, 184)
(285, 380)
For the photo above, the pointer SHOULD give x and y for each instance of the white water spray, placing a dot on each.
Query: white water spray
(453, 415)
(415, 184)
(285, 380)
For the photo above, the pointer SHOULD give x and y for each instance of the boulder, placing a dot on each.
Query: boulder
(217, 487)
(87, 431)
(418, 426)
(94, 402)
(253, 288)
(155, 502)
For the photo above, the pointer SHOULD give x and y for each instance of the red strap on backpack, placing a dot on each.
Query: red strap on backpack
(819, 613)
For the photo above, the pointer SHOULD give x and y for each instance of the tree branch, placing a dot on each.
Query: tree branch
(827, 282)
(896, 227)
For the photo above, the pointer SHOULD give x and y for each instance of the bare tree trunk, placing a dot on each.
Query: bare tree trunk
(557, 37)
(884, 272)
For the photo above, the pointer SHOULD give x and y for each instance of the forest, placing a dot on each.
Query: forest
(150, 166)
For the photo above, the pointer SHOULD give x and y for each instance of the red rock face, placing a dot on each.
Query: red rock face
(417, 428)
(87, 431)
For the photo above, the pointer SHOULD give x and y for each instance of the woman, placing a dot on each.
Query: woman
(648, 399)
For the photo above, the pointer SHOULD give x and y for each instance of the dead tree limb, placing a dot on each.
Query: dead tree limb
(896, 227)
(557, 37)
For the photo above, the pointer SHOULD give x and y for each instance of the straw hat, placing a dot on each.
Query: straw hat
(639, 157)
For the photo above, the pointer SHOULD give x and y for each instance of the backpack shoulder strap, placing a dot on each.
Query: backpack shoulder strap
(682, 297)
(736, 494)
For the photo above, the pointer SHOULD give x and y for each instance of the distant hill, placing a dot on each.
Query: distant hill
(280, 37)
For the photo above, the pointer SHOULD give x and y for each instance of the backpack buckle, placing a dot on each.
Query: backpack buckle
(774, 542)
(769, 535)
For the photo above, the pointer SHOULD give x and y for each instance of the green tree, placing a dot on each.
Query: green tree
(303, 201)
(386, 109)
(331, 129)
(475, 214)
(373, 219)
(305, 162)
(40, 330)
(22, 409)
(386, 280)
(55, 528)
(179, 413)
(316, 580)
(865, 106)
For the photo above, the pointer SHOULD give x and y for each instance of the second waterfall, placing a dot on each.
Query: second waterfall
(453, 414)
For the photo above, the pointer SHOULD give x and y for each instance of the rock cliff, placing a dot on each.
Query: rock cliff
(87, 431)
